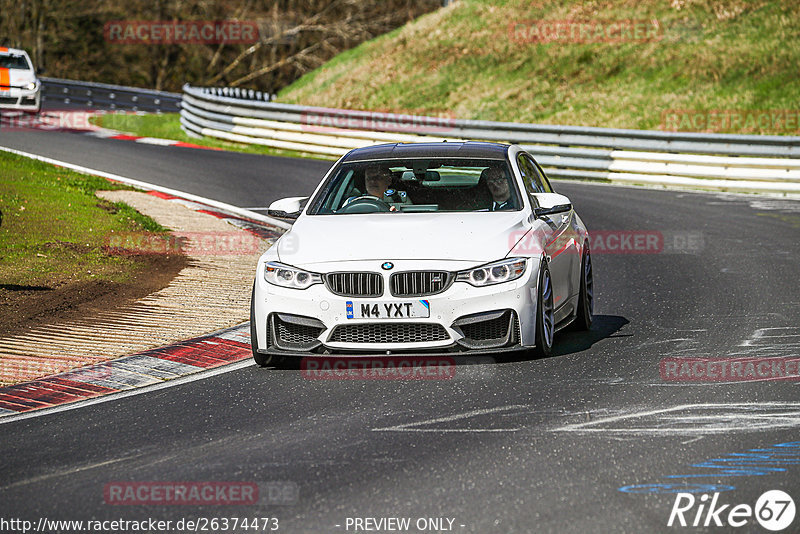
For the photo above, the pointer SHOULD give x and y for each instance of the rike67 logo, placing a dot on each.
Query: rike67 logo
(774, 510)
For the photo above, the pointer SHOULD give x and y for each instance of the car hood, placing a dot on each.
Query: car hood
(478, 237)
(20, 77)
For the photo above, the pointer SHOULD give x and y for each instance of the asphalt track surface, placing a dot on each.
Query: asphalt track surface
(513, 445)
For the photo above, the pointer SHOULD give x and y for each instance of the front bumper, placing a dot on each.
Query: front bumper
(21, 99)
(463, 318)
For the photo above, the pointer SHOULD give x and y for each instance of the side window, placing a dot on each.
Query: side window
(542, 177)
(530, 175)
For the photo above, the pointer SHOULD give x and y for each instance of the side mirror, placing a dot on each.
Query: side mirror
(288, 208)
(543, 212)
(550, 204)
(41, 70)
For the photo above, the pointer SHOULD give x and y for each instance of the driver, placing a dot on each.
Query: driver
(378, 181)
(498, 186)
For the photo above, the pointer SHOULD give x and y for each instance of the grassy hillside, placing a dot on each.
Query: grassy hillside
(477, 59)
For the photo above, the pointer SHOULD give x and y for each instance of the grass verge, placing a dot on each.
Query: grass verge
(53, 228)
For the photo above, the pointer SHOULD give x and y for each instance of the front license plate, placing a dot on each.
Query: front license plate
(388, 310)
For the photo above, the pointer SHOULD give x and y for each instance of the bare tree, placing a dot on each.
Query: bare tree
(295, 36)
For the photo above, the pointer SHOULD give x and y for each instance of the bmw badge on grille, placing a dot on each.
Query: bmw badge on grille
(387, 265)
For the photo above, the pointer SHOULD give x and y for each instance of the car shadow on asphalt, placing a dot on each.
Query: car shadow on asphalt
(569, 341)
(603, 327)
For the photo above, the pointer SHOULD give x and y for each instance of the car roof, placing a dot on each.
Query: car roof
(457, 149)
(10, 51)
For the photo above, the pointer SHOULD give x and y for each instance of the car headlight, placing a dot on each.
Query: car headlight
(494, 273)
(31, 86)
(287, 276)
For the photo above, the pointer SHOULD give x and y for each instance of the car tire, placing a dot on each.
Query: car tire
(584, 314)
(262, 360)
(545, 320)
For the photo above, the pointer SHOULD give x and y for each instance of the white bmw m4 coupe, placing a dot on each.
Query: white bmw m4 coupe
(423, 248)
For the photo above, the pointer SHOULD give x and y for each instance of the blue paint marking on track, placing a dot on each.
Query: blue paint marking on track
(754, 462)
(675, 488)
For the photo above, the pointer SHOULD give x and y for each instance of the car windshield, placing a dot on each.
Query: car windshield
(14, 62)
(418, 185)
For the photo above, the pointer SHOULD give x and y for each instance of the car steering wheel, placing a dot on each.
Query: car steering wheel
(365, 204)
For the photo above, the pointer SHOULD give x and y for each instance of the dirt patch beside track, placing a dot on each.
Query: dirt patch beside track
(175, 298)
(63, 299)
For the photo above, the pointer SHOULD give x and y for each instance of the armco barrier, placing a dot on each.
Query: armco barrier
(71, 93)
(695, 160)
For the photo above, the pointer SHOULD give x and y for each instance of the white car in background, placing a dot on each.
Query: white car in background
(439, 248)
(20, 89)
